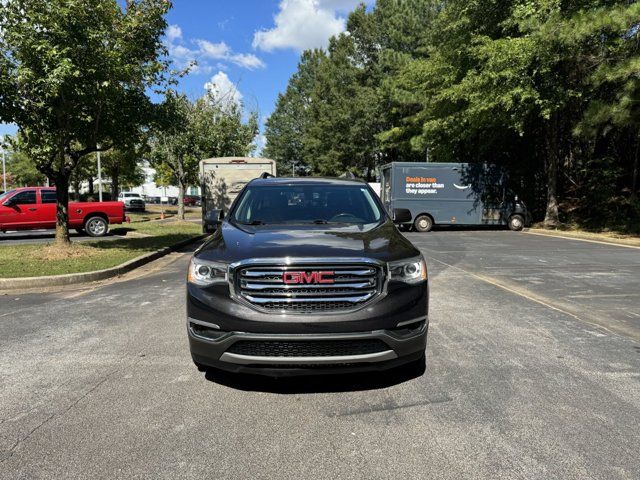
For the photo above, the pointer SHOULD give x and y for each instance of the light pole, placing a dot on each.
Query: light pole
(4, 167)
(99, 176)
(293, 166)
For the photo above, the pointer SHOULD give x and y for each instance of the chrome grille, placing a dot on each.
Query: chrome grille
(309, 288)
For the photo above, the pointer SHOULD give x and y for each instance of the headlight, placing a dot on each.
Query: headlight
(413, 270)
(205, 273)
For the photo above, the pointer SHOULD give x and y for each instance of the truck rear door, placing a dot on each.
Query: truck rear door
(48, 208)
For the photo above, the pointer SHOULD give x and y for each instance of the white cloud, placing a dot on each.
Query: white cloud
(223, 91)
(174, 32)
(303, 24)
(260, 142)
(215, 51)
(204, 51)
(221, 51)
(181, 52)
(247, 60)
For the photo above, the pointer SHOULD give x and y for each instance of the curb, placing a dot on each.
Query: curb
(73, 278)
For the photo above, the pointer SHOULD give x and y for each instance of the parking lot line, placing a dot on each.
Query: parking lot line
(525, 294)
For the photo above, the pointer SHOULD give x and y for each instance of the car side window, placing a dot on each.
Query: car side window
(27, 197)
(48, 196)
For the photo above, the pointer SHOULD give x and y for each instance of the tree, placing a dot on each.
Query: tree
(336, 106)
(501, 75)
(123, 167)
(75, 77)
(287, 127)
(614, 86)
(20, 167)
(187, 132)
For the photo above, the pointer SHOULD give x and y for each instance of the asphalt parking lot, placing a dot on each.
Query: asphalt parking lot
(533, 372)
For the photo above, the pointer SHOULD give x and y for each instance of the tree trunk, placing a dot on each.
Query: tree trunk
(76, 190)
(181, 189)
(115, 182)
(90, 180)
(551, 218)
(62, 210)
(634, 175)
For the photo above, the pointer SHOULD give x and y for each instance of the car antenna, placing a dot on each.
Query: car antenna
(267, 175)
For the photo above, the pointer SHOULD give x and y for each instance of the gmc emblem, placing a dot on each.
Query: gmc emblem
(307, 277)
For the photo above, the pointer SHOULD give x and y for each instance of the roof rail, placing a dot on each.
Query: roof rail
(267, 175)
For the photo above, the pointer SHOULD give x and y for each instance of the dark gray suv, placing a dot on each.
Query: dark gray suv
(306, 276)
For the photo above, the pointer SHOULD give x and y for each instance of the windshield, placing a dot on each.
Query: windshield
(320, 204)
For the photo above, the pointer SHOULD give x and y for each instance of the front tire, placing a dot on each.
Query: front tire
(516, 223)
(96, 226)
(424, 223)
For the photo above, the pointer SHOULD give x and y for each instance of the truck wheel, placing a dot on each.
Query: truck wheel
(423, 223)
(516, 223)
(96, 227)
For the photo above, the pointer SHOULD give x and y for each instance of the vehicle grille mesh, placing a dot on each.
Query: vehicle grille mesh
(316, 348)
(309, 288)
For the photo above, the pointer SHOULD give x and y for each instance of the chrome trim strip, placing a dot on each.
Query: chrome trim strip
(409, 322)
(319, 295)
(280, 286)
(255, 360)
(268, 273)
(203, 323)
(287, 261)
(351, 299)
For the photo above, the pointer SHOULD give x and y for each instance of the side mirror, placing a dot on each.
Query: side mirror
(212, 220)
(401, 215)
(9, 203)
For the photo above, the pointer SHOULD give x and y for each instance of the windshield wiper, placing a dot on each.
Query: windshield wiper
(253, 223)
(320, 222)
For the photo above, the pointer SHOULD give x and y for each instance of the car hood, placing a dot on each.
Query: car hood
(377, 241)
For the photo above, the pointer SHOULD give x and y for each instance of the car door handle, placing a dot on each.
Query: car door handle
(33, 209)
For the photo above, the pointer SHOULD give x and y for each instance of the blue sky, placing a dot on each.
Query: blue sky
(247, 49)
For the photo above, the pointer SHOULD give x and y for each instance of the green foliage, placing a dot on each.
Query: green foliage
(123, 166)
(286, 128)
(21, 170)
(548, 88)
(75, 76)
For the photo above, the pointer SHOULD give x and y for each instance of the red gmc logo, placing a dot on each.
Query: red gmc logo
(307, 277)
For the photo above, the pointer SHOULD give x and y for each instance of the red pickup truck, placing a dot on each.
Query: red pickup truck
(33, 208)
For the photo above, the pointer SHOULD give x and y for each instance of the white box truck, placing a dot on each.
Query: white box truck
(222, 179)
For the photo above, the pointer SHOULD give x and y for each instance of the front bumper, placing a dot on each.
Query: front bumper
(404, 344)
(393, 328)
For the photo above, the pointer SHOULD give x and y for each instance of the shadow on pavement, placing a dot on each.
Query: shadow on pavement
(467, 228)
(329, 383)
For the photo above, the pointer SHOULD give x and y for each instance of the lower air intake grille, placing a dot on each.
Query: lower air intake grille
(317, 348)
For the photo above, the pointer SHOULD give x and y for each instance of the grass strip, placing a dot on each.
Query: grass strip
(47, 259)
